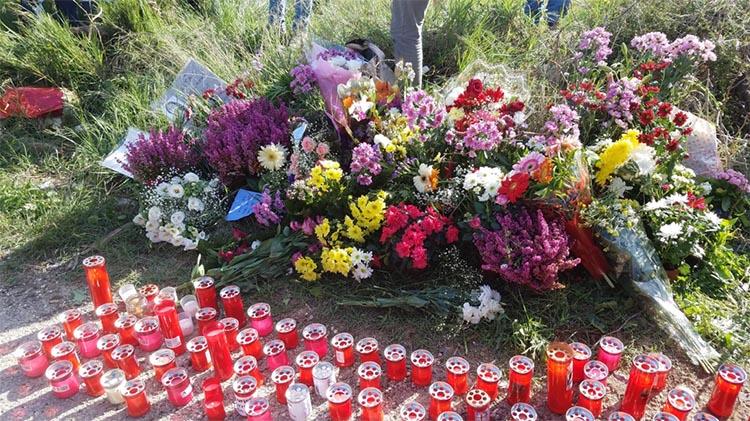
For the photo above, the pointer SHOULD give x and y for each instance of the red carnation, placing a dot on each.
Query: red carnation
(515, 186)
(680, 118)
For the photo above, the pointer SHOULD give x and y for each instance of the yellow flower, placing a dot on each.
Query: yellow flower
(324, 174)
(353, 231)
(336, 260)
(322, 230)
(367, 216)
(306, 267)
(616, 155)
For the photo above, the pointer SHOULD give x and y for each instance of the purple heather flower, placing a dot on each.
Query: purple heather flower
(482, 136)
(621, 98)
(422, 111)
(148, 157)
(596, 41)
(365, 163)
(303, 79)
(270, 209)
(529, 163)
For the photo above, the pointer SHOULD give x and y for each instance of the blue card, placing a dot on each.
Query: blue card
(298, 133)
(243, 204)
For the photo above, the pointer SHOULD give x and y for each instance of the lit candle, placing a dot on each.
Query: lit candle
(169, 324)
(70, 319)
(581, 355)
(664, 416)
(232, 302)
(591, 395)
(50, 336)
(249, 342)
(520, 377)
(305, 362)
(218, 348)
(148, 334)
(596, 370)
(729, 382)
(179, 388)
(413, 411)
(63, 380)
(324, 375)
(488, 378)
(106, 344)
(680, 401)
(665, 366)
(369, 373)
(367, 348)
(559, 377)
(248, 366)
(287, 331)
(97, 279)
(282, 377)
(125, 325)
(260, 318)
(213, 399)
(450, 416)
(107, 314)
(395, 362)
(298, 402)
(457, 374)
(441, 395)
(186, 324)
(162, 361)
(610, 352)
(343, 349)
(339, 396)
(522, 411)
(134, 393)
(478, 405)
(66, 351)
(576, 413)
(91, 373)
(421, 367)
(86, 336)
(620, 416)
(275, 353)
(371, 401)
(205, 292)
(231, 329)
(640, 384)
(190, 305)
(205, 316)
(124, 357)
(31, 358)
(258, 409)
(700, 416)
(243, 387)
(316, 339)
(199, 359)
(111, 382)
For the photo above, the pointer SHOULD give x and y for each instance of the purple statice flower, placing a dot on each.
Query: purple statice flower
(422, 111)
(655, 43)
(692, 47)
(303, 79)
(734, 178)
(482, 136)
(270, 209)
(529, 163)
(330, 53)
(365, 163)
(148, 157)
(622, 97)
(595, 41)
(236, 132)
(528, 249)
(561, 128)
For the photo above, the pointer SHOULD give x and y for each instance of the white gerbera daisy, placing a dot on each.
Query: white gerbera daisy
(272, 157)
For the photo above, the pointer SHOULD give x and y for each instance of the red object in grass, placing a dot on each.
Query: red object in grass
(585, 248)
(31, 102)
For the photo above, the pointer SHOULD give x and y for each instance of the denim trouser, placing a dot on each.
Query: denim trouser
(555, 9)
(407, 17)
(277, 14)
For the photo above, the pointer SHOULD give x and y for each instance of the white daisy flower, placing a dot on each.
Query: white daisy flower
(361, 272)
(713, 218)
(471, 314)
(272, 157)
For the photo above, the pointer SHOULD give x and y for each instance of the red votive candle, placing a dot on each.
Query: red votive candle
(729, 381)
(522, 411)
(591, 395)
(213, 399)
(178, 386)
(343, 349)
(413, 411)
(701, 416)
(232, 302)
(66, 351)
(680, 401)
(198, 348)
(91, 373)
(282, 377)
(231, 328)
(457, 374)
(125, 325)
(249, 342)
(369, 373)
(218, 348)
(305, 362)
(248, 366)
(149, 291)
(260, 318)
(316, 339)
(640, 384)
(287, 332)
(136, 401)
(581, 355)
(664, 416)
(665, 366)
(86, 336)
(275, 353)
(371, 401)
(97, 279)
(520, 377)
(106, 344)
(107, 314)
(148, 334)
(169, 324)
(559, 377)
(124, 357)
(205, 292)
(421, 367)
(62, 378)
(395, 362)
(441, 395)
(596, 370)
(205, 316)
(368, 350)
(620, 416)
(50, 336)
(488, 378)
(31, 358)
(258, 409)
(243, 387)
(162, 361)
(70, 320)
(478, 405)
(610, 352)
(577, 413)
(339, 397)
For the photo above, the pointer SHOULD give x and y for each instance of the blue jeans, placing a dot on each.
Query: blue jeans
(277, 14)
(555, 9)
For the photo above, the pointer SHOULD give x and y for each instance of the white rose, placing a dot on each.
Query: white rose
(154, 213)
(195, 204)
(177, 240)
(176, 191)
(152, 226)
(254, 245)
(178, 217)
(162, 189)
(191, 177)
(153, 236)
(176, 180)
(139, 220)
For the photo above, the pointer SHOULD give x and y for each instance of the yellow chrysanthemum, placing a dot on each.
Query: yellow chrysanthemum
(353, 231)
(369, 214)
(336, 260)
(322, 231)
(324, 174)
(616, 155)
(306, 268)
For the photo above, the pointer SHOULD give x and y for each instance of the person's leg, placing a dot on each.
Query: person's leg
(302, 11)
(277, 14)
(556, 9)
(407, 17)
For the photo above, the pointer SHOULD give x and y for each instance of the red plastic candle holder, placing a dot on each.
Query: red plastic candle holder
(205, 292)
(591, 395)
(640, 384)
(231, 329)
(701, 416)
(91, 373)
(596, 370)
(258, 409)
(520, 377)
(664, 416)
(343, 349)
(31, 358)
(106, 344)
(70, 320)
(478, 405)
(339, 396)
(97, 278)
(578, 413)
(729, 381)
(124, 357)
(559, 377)
(248, 366)
(305, 361)
(275, 353)
(488, 379)
(50, 336)
(243, 387)
(457, 374)
(665, 366)
(62, 379)
(368, 350)
(136, 401)
(149, 292)
(371, 402)
(198, 349)
(441, 395)
(66, 351)
(148, 334)
(178, 386)
(231, 299)
(169, 323)
(162, 361)
(282, 377)
(315, 336)
(522, 411)
(421, 367)
(213, 399)
(581, 355)
(620, 416)
(250, 343)
(680, 401)
(205, 316)
(107, 314)
(395, 362)
(287, 332)
(125, 325)
(610, 352)
(412, 411)
(86, 336)
(369, 373)
(218, 348)
(260, 318)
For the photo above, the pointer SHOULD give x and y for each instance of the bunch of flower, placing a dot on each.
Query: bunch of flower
(240, 245)
(416, 228)
(306, 155)
(365, 163)
(366, 216)
(594, 46)
(657, 45)
(179, 209)
(622, 97)
(270, 209)
(365, 98)
(423, 113)
(149, 156)
(484, 182)
(488, 307)
(735, 178)
(527, 249)
(336, 260)
(561, 132)
(240, 88)
(616, 155)
(324, 176)
(238, 131)
(303, 79)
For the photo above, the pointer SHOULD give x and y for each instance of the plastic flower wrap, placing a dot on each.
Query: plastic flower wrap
(333, 67)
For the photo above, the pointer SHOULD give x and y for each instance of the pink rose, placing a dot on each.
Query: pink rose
(308, 145)
(322, 150)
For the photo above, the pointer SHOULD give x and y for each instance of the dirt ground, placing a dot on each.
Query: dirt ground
(28, 306)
